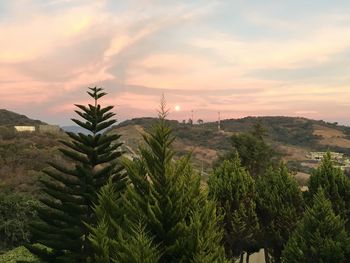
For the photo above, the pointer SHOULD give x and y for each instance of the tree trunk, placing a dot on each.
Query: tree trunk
(247, 259)
(241, 259)
(266, 252)
(277, 256)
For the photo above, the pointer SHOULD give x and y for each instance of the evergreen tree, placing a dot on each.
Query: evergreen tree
(114, 238)
(335, 185)
(71, 191)
(233, 189)
(279, 207)
(255, 154)
(319, 237)
(166, 195)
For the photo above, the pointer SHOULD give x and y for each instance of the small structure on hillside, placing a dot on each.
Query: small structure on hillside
(53, 129)
(341, 160)
(25, 128)
(317, 156)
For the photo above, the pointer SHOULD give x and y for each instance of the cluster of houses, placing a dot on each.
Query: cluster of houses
(340, 159)
(54, 129)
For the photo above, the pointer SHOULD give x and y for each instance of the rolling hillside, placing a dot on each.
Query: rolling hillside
(293, 137)
(24, 155)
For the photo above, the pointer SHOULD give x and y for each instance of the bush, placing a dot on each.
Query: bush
(16, 211)
(19, 254)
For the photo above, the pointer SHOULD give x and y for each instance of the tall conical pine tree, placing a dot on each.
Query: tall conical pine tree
(166, 195)
(233, 189)
(62, 232)
(279, 206)
(336, 187)
(115, 239)
(320, 236)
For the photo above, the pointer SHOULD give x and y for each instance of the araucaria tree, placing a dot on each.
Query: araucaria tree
(320, 236)
(279, 207)
(62, 232)
(336, 187)
(166, 196)
(233, 189)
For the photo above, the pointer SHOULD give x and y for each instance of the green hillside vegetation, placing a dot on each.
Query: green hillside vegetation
(283, 134)
(279, 130)
(23, 155)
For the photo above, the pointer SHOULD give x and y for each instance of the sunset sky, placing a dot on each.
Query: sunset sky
(242, 58)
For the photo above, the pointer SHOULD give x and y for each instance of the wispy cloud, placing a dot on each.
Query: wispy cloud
(236, 57)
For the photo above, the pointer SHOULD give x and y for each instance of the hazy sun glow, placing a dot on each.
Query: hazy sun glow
(177, 108)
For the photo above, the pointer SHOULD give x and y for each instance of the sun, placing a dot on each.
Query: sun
(177, 108)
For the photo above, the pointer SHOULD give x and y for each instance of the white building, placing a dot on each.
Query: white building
(25, 128)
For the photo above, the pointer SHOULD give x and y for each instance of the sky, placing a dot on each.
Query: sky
(242, 58)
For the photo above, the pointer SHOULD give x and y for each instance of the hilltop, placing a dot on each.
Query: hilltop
(9, 118)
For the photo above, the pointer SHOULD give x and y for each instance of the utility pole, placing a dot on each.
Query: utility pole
(219, 121)
(192, 117)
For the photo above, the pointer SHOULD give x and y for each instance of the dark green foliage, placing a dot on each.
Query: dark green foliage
(138, 247)
(287, 130)
(166, 196)
(16, 211)
(319, 237)
(115, 239)
(106, 235)
(233, 189)
(279, 207)
(71, 191)
(336, 187)
(256, 155)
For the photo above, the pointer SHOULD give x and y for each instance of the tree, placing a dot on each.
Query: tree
(279, 207)
(166, 195)
(71, 191)
(16, 212)
(320, 236)
(258, 131)
(233, 189)
(336, 187)
(200, 121)
(114, 238)
(255, 154)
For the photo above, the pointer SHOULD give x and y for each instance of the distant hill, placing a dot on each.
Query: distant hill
(293, 137)
(75, 129)
(23, 156)
(9, 118)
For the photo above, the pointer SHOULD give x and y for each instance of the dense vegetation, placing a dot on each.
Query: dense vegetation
(96, 206)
